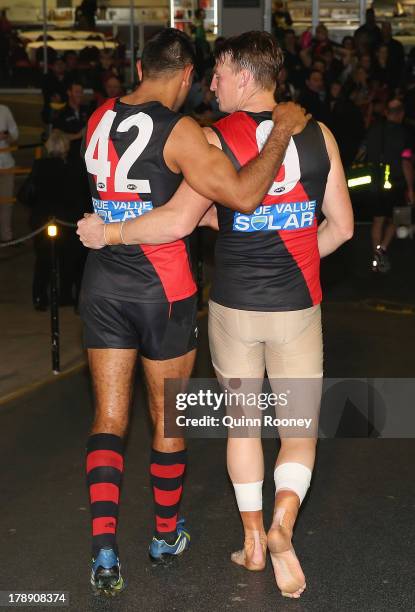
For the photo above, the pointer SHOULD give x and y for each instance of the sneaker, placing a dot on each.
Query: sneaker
(380, 261)
(106, 576)
(162, 553)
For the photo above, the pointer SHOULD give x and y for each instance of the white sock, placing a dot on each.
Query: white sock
(248, 496)
(292, 477)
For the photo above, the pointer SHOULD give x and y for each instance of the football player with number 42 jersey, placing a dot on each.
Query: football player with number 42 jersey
(141, 298)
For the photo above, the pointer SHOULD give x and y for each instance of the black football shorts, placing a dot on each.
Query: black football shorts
(158, 330)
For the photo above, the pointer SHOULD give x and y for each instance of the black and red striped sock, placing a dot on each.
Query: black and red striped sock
(104, 468)
(167, 472)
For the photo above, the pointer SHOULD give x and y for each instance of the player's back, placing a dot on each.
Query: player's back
(269, 260)
(123, 151)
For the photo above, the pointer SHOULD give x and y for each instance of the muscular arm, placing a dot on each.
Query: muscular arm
(208, 170)
(167, 223)
(337, 208)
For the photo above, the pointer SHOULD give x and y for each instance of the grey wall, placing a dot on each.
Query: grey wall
(238, 20)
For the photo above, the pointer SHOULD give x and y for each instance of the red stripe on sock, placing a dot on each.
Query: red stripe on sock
(103, 524)
(164, 525)
(167, 498)
(104, 458)
(104, 491)
(167, 471)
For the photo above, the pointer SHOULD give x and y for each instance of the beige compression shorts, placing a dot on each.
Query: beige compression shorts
(288, 345)
(245, 343)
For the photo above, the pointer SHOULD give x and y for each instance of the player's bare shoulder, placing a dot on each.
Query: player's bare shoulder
(330, 141)
(185, 141)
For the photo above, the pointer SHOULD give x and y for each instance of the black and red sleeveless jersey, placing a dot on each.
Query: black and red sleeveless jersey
(269, 260)
(123, 152)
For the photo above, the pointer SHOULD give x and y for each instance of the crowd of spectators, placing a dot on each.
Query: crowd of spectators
(352, 87)
(346, 86)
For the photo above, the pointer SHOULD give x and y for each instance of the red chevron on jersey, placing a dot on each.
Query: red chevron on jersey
(178, 283)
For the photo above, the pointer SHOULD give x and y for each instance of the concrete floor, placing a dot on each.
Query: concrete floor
(354, 537)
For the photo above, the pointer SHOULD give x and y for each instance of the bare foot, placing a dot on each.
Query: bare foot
(253, 554)
(288, 573)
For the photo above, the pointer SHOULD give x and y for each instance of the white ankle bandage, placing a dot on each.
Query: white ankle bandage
(249, 496)
(292, 477)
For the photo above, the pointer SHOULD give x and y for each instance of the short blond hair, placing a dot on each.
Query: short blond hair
(58, 144)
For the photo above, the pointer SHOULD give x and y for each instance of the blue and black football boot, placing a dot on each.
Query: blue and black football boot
(163, 553)
(106, 576)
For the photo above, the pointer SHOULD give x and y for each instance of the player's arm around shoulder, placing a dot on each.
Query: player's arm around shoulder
(337, 208)
(205, 167)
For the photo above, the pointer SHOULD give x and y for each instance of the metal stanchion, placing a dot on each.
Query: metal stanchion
(54, 306)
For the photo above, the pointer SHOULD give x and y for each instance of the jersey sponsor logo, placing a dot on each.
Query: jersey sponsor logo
(116, 210)
(284, 216)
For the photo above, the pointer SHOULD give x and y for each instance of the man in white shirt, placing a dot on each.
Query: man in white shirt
(8, 134)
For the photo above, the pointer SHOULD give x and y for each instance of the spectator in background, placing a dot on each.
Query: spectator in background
(320, 65)
(396, 55)
(368, 36)
(321, 42)
(382, 72)
(314, 97)
(85, 14)
(395, 49)
(333, 66)
(388, 143)
(346, 123)
(5, 25)
(56, 188)
(105, 69)
(285, 91)
(204, 59)
(366, 63)
(112, 89)
(280, 20)
(54, 90)
(51, 56)
(358, 89)
(207, 111)
(73, 118)
(72, 72)
(377, 111)
(348, 44)
(292, 60)
(8, 134)
(19, 66)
